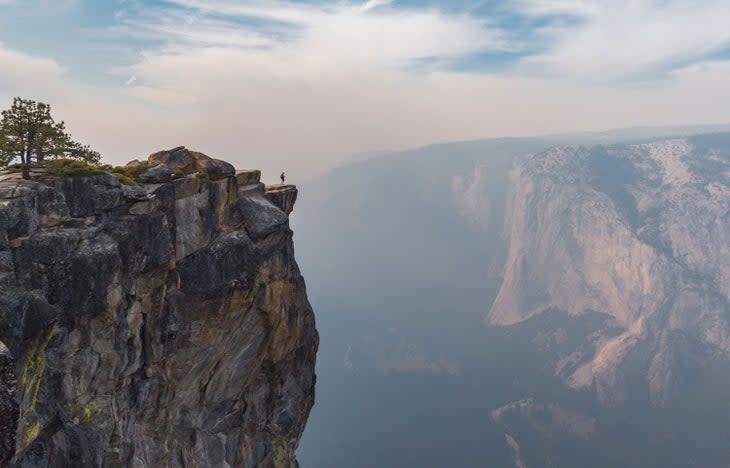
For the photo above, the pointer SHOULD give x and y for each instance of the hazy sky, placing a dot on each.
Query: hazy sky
(301, 85)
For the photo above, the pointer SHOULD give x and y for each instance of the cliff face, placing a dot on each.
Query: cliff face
(163, 324)
(640, 233)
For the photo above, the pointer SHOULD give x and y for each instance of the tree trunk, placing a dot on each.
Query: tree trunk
(25, 164)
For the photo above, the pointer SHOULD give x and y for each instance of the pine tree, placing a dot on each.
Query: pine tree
(29, 133)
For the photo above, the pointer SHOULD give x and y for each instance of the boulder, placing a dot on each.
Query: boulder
(248, 176)
(181, 160)
(158, 174)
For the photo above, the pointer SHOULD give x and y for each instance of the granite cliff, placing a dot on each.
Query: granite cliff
(159, 324)
(637, 233)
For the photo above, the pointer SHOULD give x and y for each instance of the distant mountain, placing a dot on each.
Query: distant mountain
(640, 233)
(600, 263)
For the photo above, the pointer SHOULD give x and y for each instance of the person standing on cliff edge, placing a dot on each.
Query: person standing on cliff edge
(283, 177)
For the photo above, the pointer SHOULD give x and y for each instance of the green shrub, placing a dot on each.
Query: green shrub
(131, 172)
(124, 179)
(69, 168)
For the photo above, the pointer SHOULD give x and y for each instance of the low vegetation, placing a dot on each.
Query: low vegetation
(129, 175)
(69, 168)
(60, 168)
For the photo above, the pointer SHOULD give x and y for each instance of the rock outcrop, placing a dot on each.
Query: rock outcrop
(182, 161)
(640, 233)
(283, 196)
(162, 324)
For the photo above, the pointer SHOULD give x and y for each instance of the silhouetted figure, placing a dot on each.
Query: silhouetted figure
(283, 177)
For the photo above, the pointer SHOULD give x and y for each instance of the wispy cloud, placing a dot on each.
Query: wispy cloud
(370, 4)
(595, 40)
(605, 40)
(339, 77)
(294, 39)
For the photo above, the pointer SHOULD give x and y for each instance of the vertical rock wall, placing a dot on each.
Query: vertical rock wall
(164, 324)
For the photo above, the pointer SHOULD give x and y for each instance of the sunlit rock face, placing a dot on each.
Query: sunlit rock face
(640, 233)
(157, 325)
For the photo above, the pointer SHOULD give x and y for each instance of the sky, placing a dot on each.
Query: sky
(302, 85)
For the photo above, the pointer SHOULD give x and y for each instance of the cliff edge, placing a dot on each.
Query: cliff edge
(159, 324)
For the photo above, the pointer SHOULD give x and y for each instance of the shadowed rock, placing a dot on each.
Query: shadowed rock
(283, 196)
(154, 325)
(8, 406)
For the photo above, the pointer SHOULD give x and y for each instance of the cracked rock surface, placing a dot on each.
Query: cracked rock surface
(159, 325)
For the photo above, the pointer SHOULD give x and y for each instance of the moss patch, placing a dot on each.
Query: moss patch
(30, 384)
